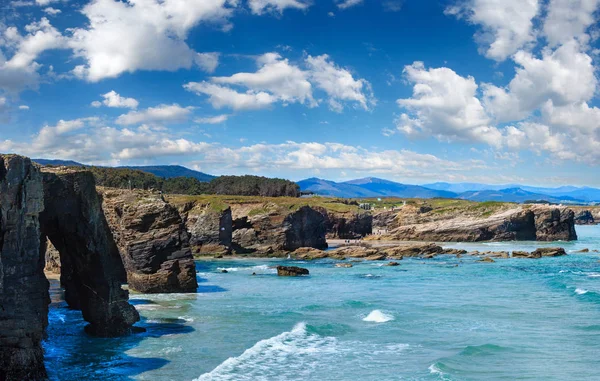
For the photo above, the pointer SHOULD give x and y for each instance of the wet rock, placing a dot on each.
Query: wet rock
(376, 257)
(487, 259)
(583, 251)
(152, 241)
(412, 250)
(555, 224)
(291, 271)
(393, 264)
(454, 251)
(308, 254)
(549, 252)
(521, 254)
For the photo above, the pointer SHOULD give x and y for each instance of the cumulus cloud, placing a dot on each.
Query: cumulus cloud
(21, 71)
(259, 7)
(23, 107)
(279, 81)
(444, 105)
(339, 84)
(161, 114)
(113, 99)
(568, 19)
(564, 76)
(155, 33)
(52, 11)
(506, 25)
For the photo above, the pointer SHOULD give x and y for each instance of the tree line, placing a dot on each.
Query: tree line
(227, 185)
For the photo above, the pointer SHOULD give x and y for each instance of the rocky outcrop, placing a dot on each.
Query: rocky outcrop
(584, 217)
(210, 227)
(347, 225)
(474, 223)
(291, 271)
(52, 259)
(554, 224)
(152, 241)
(91, 268)
(23, 287)
(278, 232)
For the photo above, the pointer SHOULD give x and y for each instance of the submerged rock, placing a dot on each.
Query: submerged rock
(393, 264)
(291, 271)
(487, 259)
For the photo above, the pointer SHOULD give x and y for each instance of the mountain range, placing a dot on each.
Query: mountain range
(375, 187)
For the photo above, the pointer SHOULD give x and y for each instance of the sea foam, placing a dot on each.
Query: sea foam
(581, 291)
(378, 316)
(293, 354)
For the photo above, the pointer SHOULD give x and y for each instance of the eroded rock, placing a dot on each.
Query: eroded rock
(291, 271)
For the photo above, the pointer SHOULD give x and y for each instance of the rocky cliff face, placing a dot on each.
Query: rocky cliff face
(52, 259)
(277, 231)
(91, 268)
(554, 224)
(209, 226)
(505, 223)
(152, 240)
(347, 225)
(23, 287)
(584, 217)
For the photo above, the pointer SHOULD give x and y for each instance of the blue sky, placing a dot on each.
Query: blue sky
(496, 91)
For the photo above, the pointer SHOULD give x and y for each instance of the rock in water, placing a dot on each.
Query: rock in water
(584, 217)
(23, 287)
(555, 224)
(152, 240)
(548, 252)
(91, 268)
(291, 271)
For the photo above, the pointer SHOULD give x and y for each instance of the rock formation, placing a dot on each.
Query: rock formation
(23, 287)
(63, 206)
(554, 224)
(210, 227)
(347, 225)
(152, 240)
(279, 232)
(291, 271)
(584, 217)
(91, 268)
(52, 259)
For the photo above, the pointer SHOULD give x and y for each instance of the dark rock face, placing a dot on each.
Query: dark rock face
(291, 271)
(91, 268)
(210, 229)
(584, 217)
(548, 252)
(347, 226)
(23, 287)
(554, 224)
(152, 240)
(277, 232)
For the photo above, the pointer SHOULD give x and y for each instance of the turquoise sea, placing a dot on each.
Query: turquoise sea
(446, 318)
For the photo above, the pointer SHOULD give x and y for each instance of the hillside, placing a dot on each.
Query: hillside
(170, 171)
(514, 195)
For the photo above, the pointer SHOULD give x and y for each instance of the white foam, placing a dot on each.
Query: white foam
(594, 275)
(378, 316)
(433, 369)
(188, 319)
(581, 291)
(289, 355)
(228, 269)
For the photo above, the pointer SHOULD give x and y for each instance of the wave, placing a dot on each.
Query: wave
(377, 316)
(581, 291)
(289, 355)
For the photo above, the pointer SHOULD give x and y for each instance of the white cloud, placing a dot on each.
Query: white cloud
(113, 99)
(21, 70)
(444, 105)
(259, 7)
(339, 84)
(345, 4)
(392, 5)
(212, 119)
(43, 3)
(286, 82)
(221, 96)
(568, 19)
(52, 11)
(160, 114)
(208, 61)
(564, 76)
(506, 25)
(23, 107)
(142, 34)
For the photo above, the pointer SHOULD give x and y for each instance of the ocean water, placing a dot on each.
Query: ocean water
(446, 318)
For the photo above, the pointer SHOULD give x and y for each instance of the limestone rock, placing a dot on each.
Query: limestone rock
(152, 240)
(555, 224)
(291, 271)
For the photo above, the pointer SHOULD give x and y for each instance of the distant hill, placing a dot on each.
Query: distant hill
(171, 171)
(369, 187)
(67, 163)
(514, 195)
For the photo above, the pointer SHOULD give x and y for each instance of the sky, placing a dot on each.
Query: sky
(416, 91)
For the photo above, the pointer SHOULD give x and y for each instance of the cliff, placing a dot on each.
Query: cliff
(209, 225)
(460, 221)
(152, 240)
